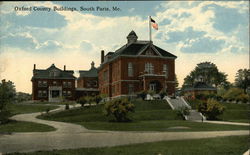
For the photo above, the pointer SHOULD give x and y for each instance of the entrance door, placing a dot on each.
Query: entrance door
(152, 86)
(55, 93)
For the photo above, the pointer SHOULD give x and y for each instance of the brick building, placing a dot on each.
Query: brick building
(136, 66)
(87, 83)
(52, 84)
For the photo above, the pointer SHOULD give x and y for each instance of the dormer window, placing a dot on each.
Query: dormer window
(54, 73)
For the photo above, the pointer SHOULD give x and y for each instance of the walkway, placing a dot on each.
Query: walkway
(74, 136)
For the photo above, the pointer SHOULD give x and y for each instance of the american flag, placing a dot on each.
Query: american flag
(154, 24)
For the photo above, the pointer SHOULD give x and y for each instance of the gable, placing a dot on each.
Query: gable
(149, 52)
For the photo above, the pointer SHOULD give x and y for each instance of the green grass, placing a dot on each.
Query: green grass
(236, 112)
(148, 116)
(25, 108)
(233, 145)
(19, 126)
(233, 112)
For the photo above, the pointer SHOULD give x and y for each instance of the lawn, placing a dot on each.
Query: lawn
(233, 112)
(148, 116)
(19, 126)
(25, 108)
(236, 112)
(233, 145)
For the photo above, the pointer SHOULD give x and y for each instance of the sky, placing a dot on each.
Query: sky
(214, 31)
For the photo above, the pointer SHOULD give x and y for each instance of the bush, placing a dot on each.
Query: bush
(142, 94)
(98, 99)
(67, 106)
(82, 101)
(211, 109)
(163, 93)
(233, 93)
(119, 108)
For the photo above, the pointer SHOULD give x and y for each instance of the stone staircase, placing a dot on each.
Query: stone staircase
(179, 102)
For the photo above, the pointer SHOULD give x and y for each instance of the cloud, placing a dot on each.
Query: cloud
(187, 34)
(202, 45)
(86, 46)
(20, 40)
(226, 19)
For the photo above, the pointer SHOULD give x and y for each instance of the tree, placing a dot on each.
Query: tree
(242, 79)
(211, 108)
(82, 100)
(209, 73)
(119, 108)
(7, 96)
(176, 82)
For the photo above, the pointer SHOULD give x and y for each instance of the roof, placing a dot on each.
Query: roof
(90, 73)
(200, 86)
(133, 49)
(53, 73)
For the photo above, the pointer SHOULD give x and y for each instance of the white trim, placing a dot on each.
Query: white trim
(168, 100)
(184, 101)
(142, 50)
(117, 96)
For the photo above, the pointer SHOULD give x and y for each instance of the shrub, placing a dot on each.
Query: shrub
(233, 93)
(211, 109)
(119, 108)
(142, 94)
(82, 101)
(163, 93)
(67, 106)
(97, 99)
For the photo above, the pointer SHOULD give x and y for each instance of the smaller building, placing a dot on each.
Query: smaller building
(199, 87)
(53, 84)
(87, 83)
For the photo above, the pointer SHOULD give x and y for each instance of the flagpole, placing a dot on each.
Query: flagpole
(150, 29)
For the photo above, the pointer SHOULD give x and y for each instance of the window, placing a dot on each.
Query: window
(165, 70)
(45, 83)
(64, 93)
(69, 84)
(40, 93)
(130, 88)
(40, 84)
(149, 68)
(130, 69)
(44, 93)
(54, 82)
(69, 93)
(152, 86)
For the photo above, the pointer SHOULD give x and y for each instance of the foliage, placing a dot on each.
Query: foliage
(235, 94)
(176, 81)
(182, 111)
(82, 100)
(242, 79)
(211, 109)
(67, 106)
(142, 94)
(98, 99)
(209, 73)
(20, 97)
(163, 93)
(119, 108)
(7, 96)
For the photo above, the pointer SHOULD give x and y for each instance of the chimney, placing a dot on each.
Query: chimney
(34, 67)
(92, 64)
(64, 68)
(102, 56)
